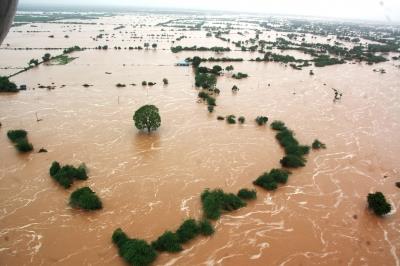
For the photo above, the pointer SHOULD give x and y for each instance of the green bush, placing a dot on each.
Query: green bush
(7, 86)
(216, 200)
(278, 125)
(316, 145)
(261, 120)
(168, 241)
(23, 145)
(231, 119)
(136, 252)
(377, 202)
(15, 135)
(206, 228)
(266, 181)
(292, 161)
(211, 101)
(187, 231)
(241, 120)
(55, 167)
(65, 175)
(86, 199)
(247, 194)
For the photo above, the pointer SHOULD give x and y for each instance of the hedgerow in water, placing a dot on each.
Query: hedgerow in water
(270, 180)
(206, 228)
(136, 252)
(216, 201)
(247, 194)
(187, 231)
(168, 241)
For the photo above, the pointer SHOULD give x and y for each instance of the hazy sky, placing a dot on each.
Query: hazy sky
(382, 10)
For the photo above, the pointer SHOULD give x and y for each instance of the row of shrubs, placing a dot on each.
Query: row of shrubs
(294, 151)
(20, 139)
(139, 252)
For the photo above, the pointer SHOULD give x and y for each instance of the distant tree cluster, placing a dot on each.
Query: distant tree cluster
(179, 48)
(66, 175)
(239, 75)
(20, 139)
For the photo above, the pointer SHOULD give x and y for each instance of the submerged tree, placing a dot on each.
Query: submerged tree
(377, 202)
(147, 117)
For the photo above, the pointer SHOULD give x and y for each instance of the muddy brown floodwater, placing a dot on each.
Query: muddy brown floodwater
(151, 183)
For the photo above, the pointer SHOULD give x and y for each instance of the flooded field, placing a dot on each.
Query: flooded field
(151, 183)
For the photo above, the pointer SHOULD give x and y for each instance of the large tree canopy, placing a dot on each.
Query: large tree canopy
(147, 117)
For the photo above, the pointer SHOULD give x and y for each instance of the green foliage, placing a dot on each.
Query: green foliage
(278, 125)
(144, 83)
(205, 80)
(168, 241)
(206, 228)
(377, 202)
(229, 68)
(136, 252)
(231, 119)
(292, 161)
(55, 167)
(196, 61)
(15, 135)
(72, 49)
(211, 101)
(239, 75)
(23, 145)
(179, 48)
(86, 199)
(65, 175)
(216, 200)
(241, 119)
(147, 117)
(247, 194)
(210, 108)
(261, 120)
(325, 60)
(270, 180)
(20, 140)
(294, 151)
(187, 231)
(316, 145)
(7, 86)
(46, 57)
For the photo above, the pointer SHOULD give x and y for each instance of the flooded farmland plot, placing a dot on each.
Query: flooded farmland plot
(339, 85)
